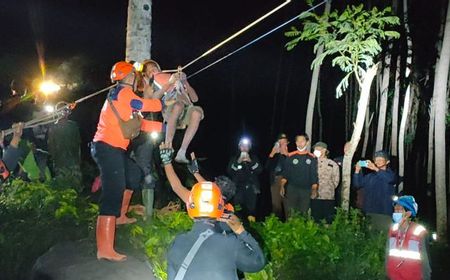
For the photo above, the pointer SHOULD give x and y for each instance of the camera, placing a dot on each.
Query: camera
(363, 163)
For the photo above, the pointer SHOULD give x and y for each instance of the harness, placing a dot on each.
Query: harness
(191, 254)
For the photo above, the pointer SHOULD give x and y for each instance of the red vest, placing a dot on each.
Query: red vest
(404, 253)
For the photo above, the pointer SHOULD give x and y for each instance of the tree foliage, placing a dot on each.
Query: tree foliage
(352, 38)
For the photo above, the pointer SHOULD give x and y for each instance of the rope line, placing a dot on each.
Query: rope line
(255, 40)
(236, 34)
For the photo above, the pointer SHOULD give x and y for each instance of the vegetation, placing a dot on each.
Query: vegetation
(35, 216)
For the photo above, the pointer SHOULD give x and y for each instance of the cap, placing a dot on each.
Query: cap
(321, 144)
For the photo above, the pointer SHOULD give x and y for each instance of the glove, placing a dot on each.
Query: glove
(193, 167)
(166, 155)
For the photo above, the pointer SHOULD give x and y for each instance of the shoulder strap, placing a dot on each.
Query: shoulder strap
(113, 108)
(191, 254)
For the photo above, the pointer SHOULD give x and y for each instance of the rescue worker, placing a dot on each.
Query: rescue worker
(11, 154)
(299, 181)
(274, 163)
(179, 111)
(379, 187)
(142, 146)
(407, 253)
(244, 169)
(205, 253)
(322, 207)
(226, 186)
(119, 174)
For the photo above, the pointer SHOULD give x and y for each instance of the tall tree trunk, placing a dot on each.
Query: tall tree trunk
(347, 110)
(367, 122)
(139, 31)
(431, 112)
(356, 135)
(383, 100)
(313, 88)
(412, 120)
(401, 141)
(440, 98)
(395, 103)
(319, 111)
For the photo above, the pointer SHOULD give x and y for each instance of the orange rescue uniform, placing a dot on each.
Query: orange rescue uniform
(108, 129)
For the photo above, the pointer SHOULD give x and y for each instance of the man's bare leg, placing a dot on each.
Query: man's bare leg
(172, 122)
(194, 121)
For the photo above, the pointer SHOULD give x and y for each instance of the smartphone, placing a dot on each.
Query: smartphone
(363, 163)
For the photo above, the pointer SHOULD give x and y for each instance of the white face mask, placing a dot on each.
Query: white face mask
(317, 153)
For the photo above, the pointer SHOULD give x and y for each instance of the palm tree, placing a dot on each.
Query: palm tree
(139, 31)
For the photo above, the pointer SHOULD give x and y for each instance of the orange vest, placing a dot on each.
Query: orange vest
(404, 257)
(108, 129)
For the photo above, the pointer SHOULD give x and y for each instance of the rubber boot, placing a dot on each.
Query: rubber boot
(148, 196)
(123, 219)
(106, 230)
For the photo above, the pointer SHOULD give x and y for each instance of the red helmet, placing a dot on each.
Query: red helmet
(205, 201)
(120, 70)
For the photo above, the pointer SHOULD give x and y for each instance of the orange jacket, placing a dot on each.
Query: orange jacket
(108, 129)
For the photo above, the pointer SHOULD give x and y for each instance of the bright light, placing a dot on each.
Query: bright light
(434, 236)
(49, 87)
(244, 141)
(394, 198)
(49, 108)
(154, 135)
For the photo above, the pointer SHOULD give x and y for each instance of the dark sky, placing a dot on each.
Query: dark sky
(258, 92)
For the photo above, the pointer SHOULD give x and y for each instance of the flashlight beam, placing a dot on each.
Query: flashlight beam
(234, 35)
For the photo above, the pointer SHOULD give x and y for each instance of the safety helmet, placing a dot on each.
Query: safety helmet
(120, 70)
(409, 203)
(205, 201)
(151, 61)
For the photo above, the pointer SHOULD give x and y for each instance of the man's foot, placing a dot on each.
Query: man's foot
(181, 157)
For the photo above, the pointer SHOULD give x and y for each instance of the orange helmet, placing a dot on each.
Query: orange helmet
(120, 70)
(205, 201)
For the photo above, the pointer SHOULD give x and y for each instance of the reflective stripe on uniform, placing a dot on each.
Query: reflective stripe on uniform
(255, 166)
(418, 230)
(406, 254)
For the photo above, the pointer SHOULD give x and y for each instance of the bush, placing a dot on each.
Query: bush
(302, 249)
(34, 216)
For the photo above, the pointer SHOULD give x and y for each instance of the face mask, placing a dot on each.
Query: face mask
(317, 153)
(397, 217)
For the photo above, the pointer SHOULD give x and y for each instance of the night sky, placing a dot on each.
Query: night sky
(259, 92)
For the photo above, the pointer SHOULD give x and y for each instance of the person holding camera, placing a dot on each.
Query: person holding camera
(379, 188)
(244, 169)
(273, 165)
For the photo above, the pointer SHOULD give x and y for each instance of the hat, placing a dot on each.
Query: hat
(409, 203)
(321, 144)
(381, 154)
(282, 136)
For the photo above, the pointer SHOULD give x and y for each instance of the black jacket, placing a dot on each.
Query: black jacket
(245, 173)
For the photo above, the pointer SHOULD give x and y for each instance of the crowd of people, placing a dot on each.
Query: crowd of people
(147, 102)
